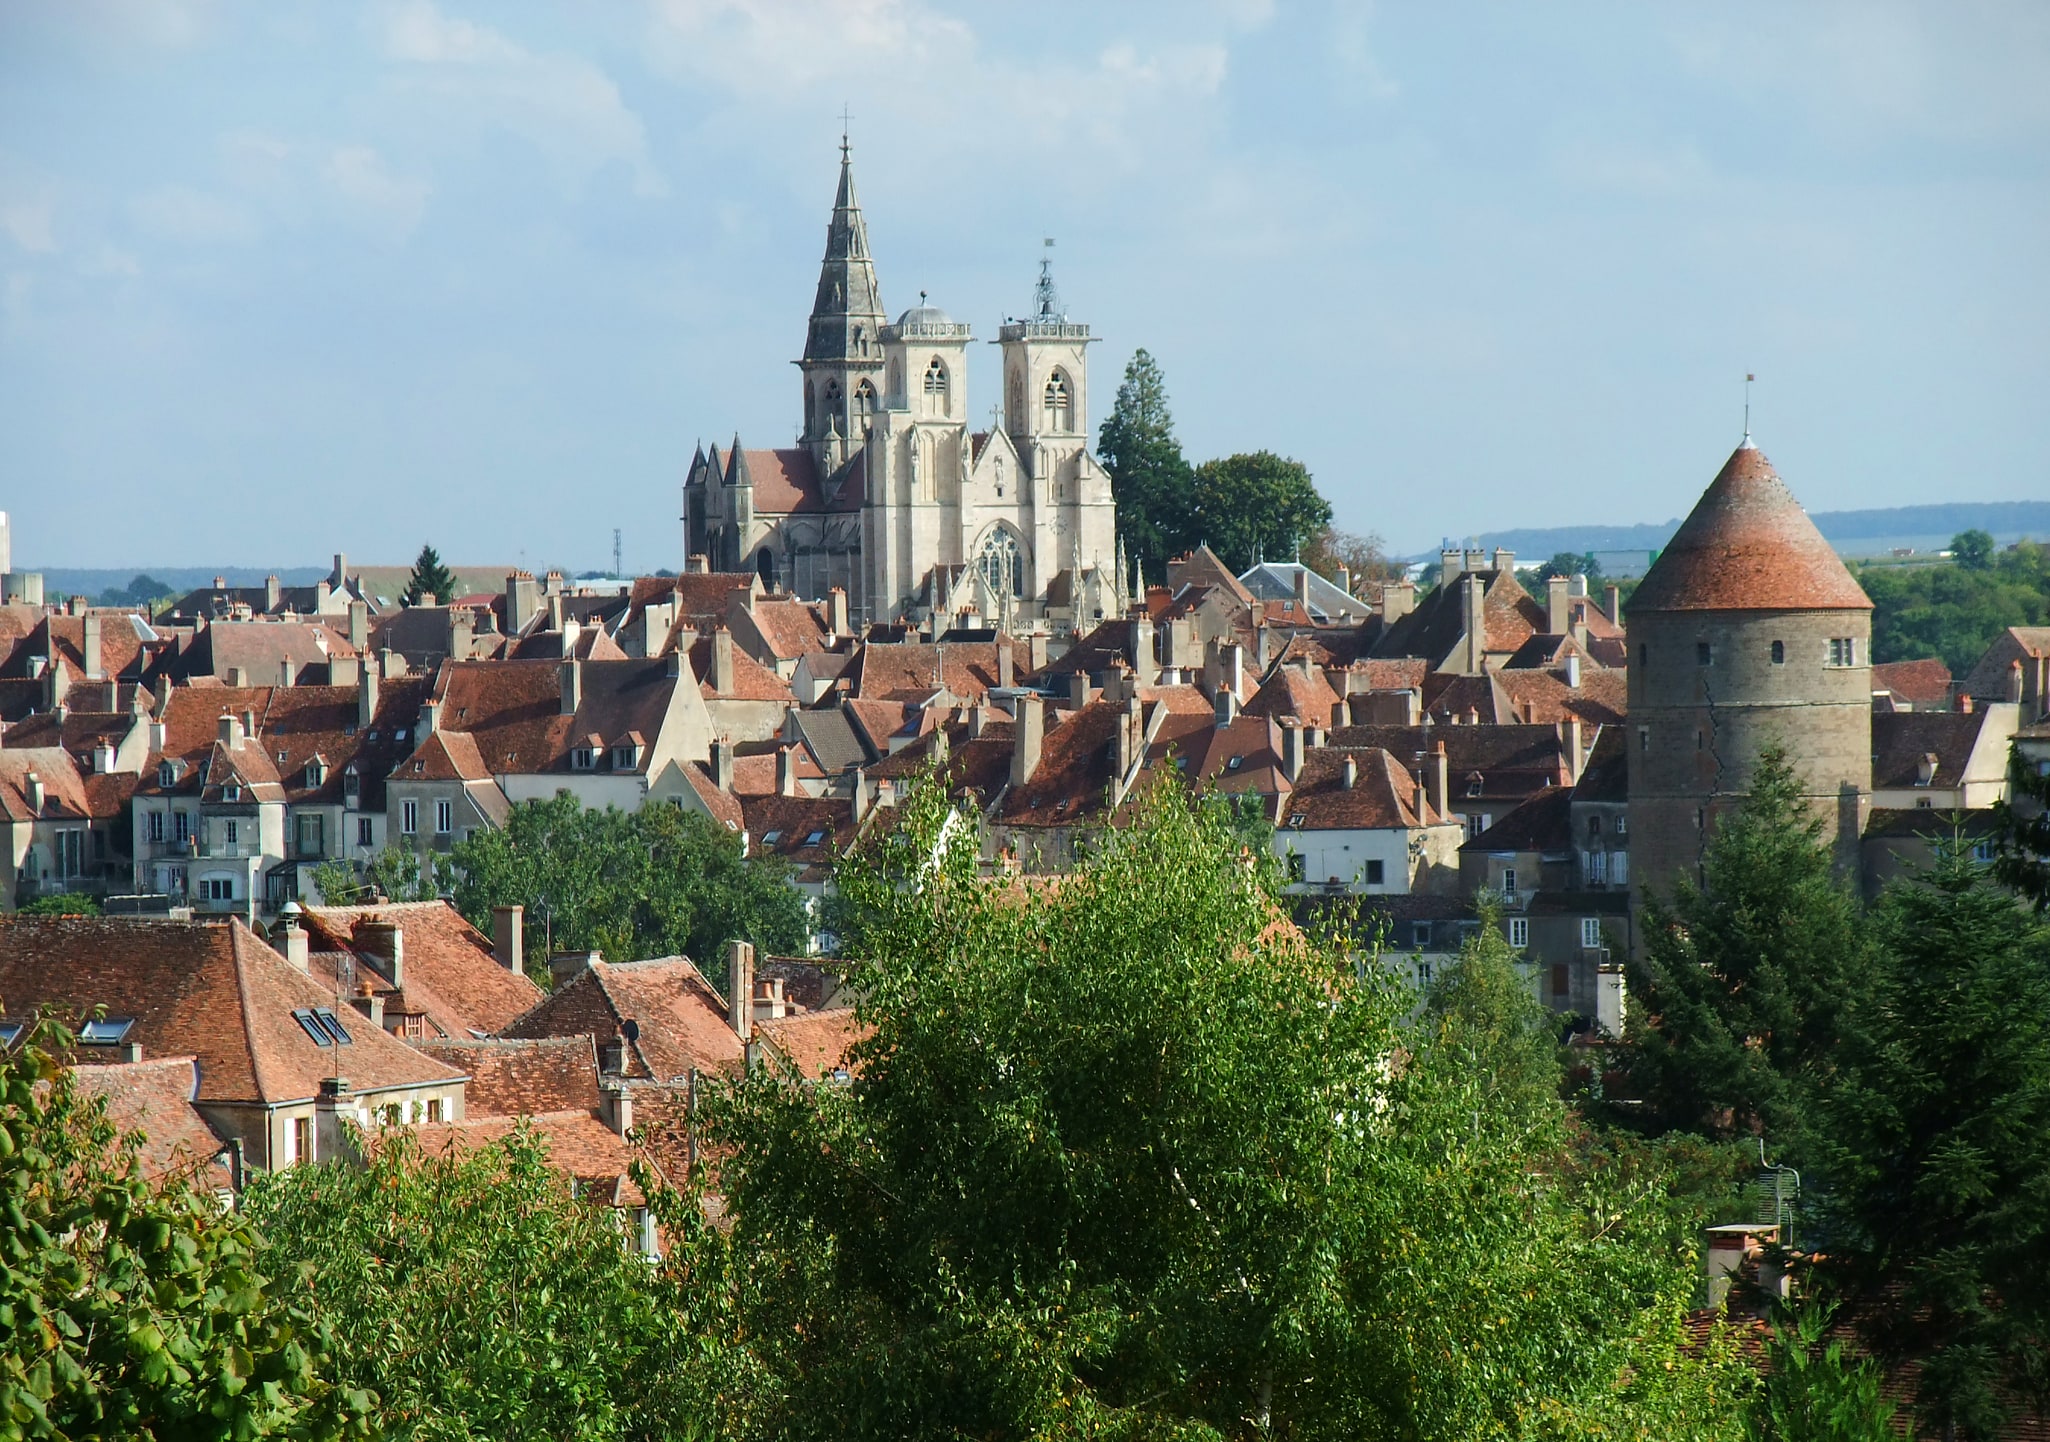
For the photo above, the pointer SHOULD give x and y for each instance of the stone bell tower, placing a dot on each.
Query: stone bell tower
(843, 346)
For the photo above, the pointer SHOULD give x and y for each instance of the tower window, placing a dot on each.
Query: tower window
(1644, 740)
(936, 379)
(1843, 651)
(1704, 654)
(864, 404)
(1779, 653)
(1059, 406)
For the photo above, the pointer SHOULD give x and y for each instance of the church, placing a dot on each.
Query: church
(891, 495)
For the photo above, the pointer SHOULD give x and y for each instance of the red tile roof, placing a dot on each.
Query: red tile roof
(1919, 683)
(815, 1043)
(579, 1145)
(1748, 546)
(1383, 795)
(787, 482)
(450, 969)
(681, 1016)
(154, 1097)
(522, 1077)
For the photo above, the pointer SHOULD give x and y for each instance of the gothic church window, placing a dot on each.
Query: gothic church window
(936, 380)
(1002, 564)
(864, 406)
(1059, 407)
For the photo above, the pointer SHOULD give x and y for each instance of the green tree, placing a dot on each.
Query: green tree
(2023, 817)
(1363, 554)
(476, 1298)
(1972, 549)
(1737, 998)
(1129, 1156)
(1566, 563)
(430, 578)
(1255, 507)
(128, 1311)
(653, 882)
(1813, 1392)
(1148, 476)
(1938, 1204)
(1955, 611)
(69, 903)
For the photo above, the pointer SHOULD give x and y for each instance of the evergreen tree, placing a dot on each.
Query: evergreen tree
(1148, 476)
(1735, 1002)
(430, 578)
(1255, 507)
(2024, 820)
(1938, 1151)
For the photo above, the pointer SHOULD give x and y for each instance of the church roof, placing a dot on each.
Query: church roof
(848, 308)
(1748, 546)
(787, 482)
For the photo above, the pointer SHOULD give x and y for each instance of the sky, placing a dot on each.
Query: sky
(280, 278)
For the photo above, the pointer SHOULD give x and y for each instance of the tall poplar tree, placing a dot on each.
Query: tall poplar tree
(1149, 477)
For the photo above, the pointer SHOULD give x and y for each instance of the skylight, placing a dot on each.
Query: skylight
(105, 1030)
(9, 1030)
(815, 838)
(770, 838)
(320, 1024)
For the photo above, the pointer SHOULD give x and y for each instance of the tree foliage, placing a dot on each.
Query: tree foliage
(659, 881)
(1566, 563)
(1938, 1147)
(474, 1297)
(1738, 995)
(128, 1311)
(1363, 554)
(1254, 507)
(1128, 1155)
(1956, 610)
(1814, 1391)
(430, 578)
(2023, 817)
(1972, 549)
(66, 903)
(1148, 476)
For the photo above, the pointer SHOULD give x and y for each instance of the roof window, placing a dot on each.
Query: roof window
(770, 838)
(105, 1030)
(320, 1024)
(815, 838)
(10, 1031)
(231, 792)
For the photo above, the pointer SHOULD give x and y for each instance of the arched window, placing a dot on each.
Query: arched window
(1059, 406)
(1779, 653)
(1002, 564)
(765, 567)
(864, 406)
(829, 409)
(936, 380)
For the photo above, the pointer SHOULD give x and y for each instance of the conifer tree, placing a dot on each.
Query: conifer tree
(1149, 477)
(2024, 819)
(1737, 997)
(430, 578)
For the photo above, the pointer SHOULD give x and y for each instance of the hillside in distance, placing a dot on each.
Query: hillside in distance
(1852, 532)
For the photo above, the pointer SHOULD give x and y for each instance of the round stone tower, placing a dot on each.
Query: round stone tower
(1746, 630)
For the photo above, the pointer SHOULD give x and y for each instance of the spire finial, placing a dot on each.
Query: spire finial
(1047, 300)
(846, 115)
(1748, 378)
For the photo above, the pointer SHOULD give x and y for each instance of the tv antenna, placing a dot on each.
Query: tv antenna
(1748, 378)
(616, 571)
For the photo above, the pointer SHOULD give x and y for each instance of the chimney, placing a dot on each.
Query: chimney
(1441, 781)
(94, 670)
(1964, 704)
(1345, 578)
(697, 563)
(722, 661)
(272, 594)
(722, 765)
(1505, 561)
(225, 729)
(509, 938)
(1352, 772)
(1028, 738)
(288, 672)
(1140, 644)
(1291, 749)
(2015, 683)
(1233, 655)
(366, 697)
(863, 798)
(1227, 704)
(1181, 644)
(1302, 588)
(295, 939)
(786, 772)
(35, 793)
(522, 602)
(1557, 617)
(836, 612)
(1451, 562)
(1131, 734)
(1476, 623)
(103, 757)
(1569, 743)
(334, 1121)
(385, 942)
(1398, 599)
(572, 674)
(1612, 604)
(564, 966)
(740, 988)
(430, 718)
(1609, 1002)
(1006, 664)
(1035, 651)
(248, 724)
(238, 678)
(1573, 670)
(159, 737)
(616, 1104)
(370, 1004)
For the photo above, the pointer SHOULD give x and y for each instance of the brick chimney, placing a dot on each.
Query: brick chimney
(722, 765)
(722, 661)
(1476, 599)
(740, 988)
(1292, 744)
(1028, 738)
(616, 1105)
(94, 669)
(366, 696)
(385, 943)
(1441, 781)
(572, 674)
(509, 938)
(1557, 619)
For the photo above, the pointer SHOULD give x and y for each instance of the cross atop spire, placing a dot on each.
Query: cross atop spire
(846, 115)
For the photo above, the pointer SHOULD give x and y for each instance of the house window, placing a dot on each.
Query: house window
(1622, 824)
(1924, 803)
(1375, 872)
(1474, 785)
(1779, 653)
(167, 774)
(1059, 405)
(1590, 931)
(1420, 933)
(322, 1025)
(434, 1110)
(444, 817)
(1982, 851)
(583, 758)
(231, 792)
(231, 832)
(1002, 564)
(105, 1030)
(409, 818)
(1594, 826)
(936, 379)
(217, 888)
(70, 853)
(312, 827)
(1704, 654)
(1476, 824)
(1508, 878)
(1843, 651)
(365, 832)
(1643, 655)
(1519, 932)
(153, 826)
(1700, 739)
(1598, 868)
(299, 1140)
(1562, 979)
(864, 405)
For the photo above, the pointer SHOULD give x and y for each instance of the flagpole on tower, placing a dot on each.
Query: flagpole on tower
(1748, 378)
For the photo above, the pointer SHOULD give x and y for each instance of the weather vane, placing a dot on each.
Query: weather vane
(1748, 378)
(846, 116)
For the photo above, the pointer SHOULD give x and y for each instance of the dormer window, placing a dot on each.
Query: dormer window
(1473, 786)
(583, 758)
(625, 756)
(770, 838)
(815, 838)
(231, 792)
(316, 772)
(167, 773)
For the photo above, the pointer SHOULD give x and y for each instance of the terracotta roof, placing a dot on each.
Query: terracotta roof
(721, 806)
(154, 1097)
(1511, 761)
(1606, 775)
(787, 482)
(790, 627)
(1901, 739)
(752, 681)
(814, 1043)
(1919, 683)
(579, 1145)
(122, 649)
(965, 669)
(1601, 698)
(681, 1016)
(524, 1076)
(879, 721)
(1382, 797)
(1075, 765)
(513, 709)
(793, 821)
(1288, 692)
(1436, 627)
(64, 791)
(449, 967)
(1748, 546)
(210, 990)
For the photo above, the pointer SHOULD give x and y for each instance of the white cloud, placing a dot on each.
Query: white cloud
(195, 217)
(390, 204)
(563, 105)
(29, 221)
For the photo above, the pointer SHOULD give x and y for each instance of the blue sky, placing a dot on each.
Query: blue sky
(290, 277)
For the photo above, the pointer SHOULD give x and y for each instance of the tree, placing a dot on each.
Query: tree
(2023, 817)
(475, 1297)
(1363, 554)
(143, 590)
(430, 578)
(1813, 1392)
(1955, 611)
(1255, 507)
(132, 1312)
(1972, 550)
(1566, 563)
(653, 882)
(69, 903)
(1148, 476)
(1741, 984)
(1938, 1203)
(396, 873)
(1131, 1156)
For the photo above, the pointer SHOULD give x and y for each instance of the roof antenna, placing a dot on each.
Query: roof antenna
(1748, 378)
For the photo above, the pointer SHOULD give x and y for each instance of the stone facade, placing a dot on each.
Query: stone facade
(891, 493)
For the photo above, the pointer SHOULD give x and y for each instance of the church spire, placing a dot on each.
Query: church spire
(843, 350)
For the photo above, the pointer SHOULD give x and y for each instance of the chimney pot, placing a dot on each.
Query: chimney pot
(786, 772)
(740, 985)
(509, 937)
(572, 674)
(722, 765)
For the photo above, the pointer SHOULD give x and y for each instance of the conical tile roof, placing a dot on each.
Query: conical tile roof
(1748, 546)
